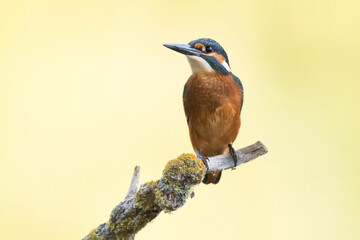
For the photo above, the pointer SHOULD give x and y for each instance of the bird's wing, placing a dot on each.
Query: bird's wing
(237, 80)
(184, 99)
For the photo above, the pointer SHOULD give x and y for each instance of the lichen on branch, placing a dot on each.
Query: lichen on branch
(167, 194)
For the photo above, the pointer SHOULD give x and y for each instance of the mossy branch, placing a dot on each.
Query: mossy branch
(167, 194)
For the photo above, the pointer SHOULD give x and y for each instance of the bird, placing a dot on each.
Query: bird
(213, 98)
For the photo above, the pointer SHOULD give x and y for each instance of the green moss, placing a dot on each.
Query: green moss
(110, 225)
(179, 176)
(133, 214)
(94, 236)
(186, 169)
(134, 222)
(172, 190)
(145, 197)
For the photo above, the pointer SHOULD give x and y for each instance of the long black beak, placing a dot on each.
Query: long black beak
(183, 48)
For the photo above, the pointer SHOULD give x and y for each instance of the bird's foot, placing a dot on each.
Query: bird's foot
(234, 155)
(203, 159)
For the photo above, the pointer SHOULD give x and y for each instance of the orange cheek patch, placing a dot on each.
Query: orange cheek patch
(199, 46)
(219, 57)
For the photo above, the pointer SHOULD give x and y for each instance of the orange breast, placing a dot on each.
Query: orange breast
(212, 105)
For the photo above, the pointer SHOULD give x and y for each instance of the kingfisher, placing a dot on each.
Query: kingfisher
(212, 98)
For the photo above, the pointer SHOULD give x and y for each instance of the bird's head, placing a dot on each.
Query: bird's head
(204, 54)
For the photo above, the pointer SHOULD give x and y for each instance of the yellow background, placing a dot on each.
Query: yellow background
(87, 91)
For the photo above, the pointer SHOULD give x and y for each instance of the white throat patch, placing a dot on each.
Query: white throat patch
(198, 64)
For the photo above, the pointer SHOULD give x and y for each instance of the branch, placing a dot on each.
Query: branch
(246, 154)
(167, 194)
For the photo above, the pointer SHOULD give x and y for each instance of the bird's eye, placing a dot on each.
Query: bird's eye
(209, 49)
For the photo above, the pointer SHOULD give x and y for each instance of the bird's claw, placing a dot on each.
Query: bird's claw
(234, 155)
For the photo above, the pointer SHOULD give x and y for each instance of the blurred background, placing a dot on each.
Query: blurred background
(87, 91)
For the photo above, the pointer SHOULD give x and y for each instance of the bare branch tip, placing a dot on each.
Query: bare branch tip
(263, 146)
(134, 183)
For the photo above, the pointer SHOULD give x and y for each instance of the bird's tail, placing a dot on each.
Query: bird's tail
(213, 178)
